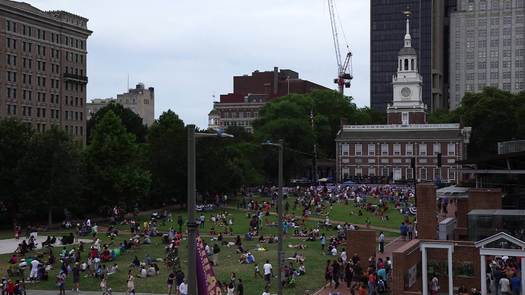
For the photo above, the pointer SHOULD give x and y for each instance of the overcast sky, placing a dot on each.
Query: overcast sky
(190, 50)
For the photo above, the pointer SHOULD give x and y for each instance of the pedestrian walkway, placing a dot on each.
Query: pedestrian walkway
(69, 292)
(8, 246)
(363, 226)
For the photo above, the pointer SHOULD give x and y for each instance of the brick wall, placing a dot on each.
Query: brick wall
(484, 198)
(403, 259)
(362, 242)
(426, 211)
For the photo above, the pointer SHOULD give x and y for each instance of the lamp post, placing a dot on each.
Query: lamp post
(192, 225)
(280, 253)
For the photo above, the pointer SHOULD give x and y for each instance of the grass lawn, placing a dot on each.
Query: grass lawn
(228, 260)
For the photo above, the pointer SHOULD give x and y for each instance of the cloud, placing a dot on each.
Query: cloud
(190, 50)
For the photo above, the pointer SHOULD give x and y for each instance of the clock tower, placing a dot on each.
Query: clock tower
(407, 105)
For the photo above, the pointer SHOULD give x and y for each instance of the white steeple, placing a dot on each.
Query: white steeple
(408, 38)
(407, 82)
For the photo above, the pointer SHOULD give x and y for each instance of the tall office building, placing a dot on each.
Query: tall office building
(428, 35)
(487, 47)
(43, 56)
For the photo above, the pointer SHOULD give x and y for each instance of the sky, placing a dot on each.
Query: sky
(190, 50)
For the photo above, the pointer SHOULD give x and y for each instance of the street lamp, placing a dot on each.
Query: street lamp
(280, 253)
(192, 225)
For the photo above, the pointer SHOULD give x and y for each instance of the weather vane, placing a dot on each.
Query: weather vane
(407, 12)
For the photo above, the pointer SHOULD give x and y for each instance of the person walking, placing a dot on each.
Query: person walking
(61, 280)
(183, 288)
(76, 277)
(434, 285)
(268, 272)
(240, 288)
(171, 281)
(381, 239)
(130, 284)
(322, 240)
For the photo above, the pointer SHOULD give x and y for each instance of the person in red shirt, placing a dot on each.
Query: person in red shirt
(10, 288)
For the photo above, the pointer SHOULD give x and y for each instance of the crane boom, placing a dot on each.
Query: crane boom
(344, 77)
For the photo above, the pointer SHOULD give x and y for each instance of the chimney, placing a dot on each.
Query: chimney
(275, 80)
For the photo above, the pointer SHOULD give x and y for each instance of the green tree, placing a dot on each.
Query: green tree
(15, 138)
(50, 174)
(167, 141)
(289, 118)
(493, 118)
(115, 163)
(131, 121)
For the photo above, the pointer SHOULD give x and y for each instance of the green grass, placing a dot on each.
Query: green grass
(228, 260)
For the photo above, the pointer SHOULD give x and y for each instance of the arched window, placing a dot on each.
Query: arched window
(412, 65)
(406, 64)
(400, 65)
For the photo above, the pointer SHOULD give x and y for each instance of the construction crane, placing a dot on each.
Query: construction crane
(344, 68)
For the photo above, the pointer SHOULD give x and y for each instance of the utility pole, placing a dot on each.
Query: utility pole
(280, 213)
(280, 233)
(314, 160)
(192, 226)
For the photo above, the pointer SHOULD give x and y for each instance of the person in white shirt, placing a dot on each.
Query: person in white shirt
(504, 285)
(334, 251)
(344, 257)
(183, 288)
(34, 270)
(267, 268)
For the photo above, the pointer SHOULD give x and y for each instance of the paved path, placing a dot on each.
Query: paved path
(9, 245)
(69, 292)
(310, 218)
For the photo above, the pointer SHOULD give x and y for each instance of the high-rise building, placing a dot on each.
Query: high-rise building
(393, 150)
(428, 35)
(140, 100)
(250, 93)
(43, 77)
(487, 47)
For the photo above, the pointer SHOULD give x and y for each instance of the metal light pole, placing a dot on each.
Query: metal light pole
(192, 225)
(280, 233)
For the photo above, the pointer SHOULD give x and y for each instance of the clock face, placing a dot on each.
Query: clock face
(405, 92)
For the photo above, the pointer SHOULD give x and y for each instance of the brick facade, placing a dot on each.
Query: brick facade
(387, 150)
(426, 211)
(362, 242)
(43, 67)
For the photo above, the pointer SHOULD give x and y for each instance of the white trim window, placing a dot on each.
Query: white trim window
(409, 173)
(437, 173)
(345, 149)
(436, 148)
(422, 149)
(384, 171)
(358, 149)
(371, 149)
(451, 149)
(451, 175)
(345, 172)
(404, 118)
(372, 171)
(423, 173)
(397, 149)
(384, 149)
(358, 171)
(409, 149)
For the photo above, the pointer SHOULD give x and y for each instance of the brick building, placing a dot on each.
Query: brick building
(43, 77)
(250, 93)
(387, 150)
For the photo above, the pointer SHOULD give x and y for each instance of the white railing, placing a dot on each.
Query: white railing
(400, 126)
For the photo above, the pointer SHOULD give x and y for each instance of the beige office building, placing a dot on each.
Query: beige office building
(140, 100)
(43, 76)
(487, 47)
